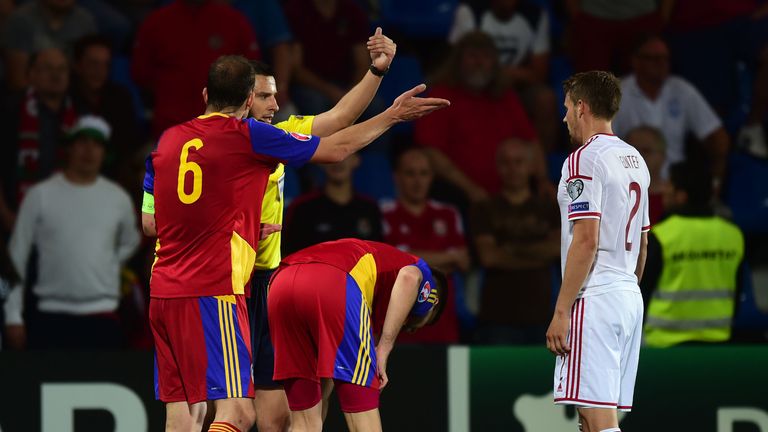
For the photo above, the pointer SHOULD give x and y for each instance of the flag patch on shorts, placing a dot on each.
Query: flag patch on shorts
(578, 207)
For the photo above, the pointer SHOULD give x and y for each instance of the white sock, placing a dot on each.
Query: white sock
(611, 430)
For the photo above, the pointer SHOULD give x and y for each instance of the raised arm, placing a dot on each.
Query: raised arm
(351, 106)
(406, 107)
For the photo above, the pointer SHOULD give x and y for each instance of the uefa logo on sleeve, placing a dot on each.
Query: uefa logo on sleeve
(424, 293)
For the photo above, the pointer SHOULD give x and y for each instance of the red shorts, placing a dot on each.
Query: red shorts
(320, 326)
(202, 348)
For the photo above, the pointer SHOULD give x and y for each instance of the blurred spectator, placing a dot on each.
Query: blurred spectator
(691, 273)
(8, 280)
(38, 25)
(602, 31)
(521, 33)
(462, 140)
(333, 213)
(752, 135)
(83, 228)
(429, 229)
(331, 37)
(517, 237)
(651, 96)
(111, 22)
(729, 31)
(174, 47)
(650, 143)
(93, 93)
(276, 40)
(33, 126)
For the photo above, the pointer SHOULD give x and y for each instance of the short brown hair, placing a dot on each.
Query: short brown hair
(600, 90)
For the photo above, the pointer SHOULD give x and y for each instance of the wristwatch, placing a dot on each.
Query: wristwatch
(378, 72)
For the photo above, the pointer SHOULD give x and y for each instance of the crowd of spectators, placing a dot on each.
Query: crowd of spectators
(91, 84)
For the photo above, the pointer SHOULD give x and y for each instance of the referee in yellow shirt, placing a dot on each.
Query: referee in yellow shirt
(272, 412)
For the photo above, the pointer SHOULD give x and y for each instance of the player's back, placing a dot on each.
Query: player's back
(607, 179)
(206, 179)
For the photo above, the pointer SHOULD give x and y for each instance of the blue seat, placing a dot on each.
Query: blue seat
(374, 176)
(747, 194)
(748, 316)
(419, 18)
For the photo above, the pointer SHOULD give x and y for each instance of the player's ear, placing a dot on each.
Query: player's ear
(205, 95)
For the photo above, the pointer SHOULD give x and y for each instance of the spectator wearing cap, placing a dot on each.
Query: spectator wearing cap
(83, 227)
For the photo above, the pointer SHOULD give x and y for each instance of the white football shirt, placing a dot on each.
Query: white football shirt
(606, 179)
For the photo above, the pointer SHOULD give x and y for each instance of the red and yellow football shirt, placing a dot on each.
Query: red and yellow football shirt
(373, 265)
(205, 175)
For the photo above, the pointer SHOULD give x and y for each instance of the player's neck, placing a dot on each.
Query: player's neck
(650, 89)
(415, 208)
(339, 192)
(229, 111)
(516, 196)
(596, 127)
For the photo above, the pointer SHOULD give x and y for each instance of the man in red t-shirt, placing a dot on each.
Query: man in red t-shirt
(328, 306)
(429, 229)
(462, 141)
(205, 176)
(174, 47)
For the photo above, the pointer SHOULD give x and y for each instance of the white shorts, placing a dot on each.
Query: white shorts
(605, 336)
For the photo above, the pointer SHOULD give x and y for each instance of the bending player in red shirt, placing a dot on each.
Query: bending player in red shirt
(328, 305)
(205, 176)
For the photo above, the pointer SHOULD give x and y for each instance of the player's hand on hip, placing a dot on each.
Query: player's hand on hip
(382, 50)
(557, 335)
(16, 337)
(408, 107)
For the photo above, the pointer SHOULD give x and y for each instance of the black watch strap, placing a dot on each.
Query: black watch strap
(378, 72)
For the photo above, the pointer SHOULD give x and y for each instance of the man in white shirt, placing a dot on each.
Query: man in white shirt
(653, 97)
(596, 329)
(83, 227)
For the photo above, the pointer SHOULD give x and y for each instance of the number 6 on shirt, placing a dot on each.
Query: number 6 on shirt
(633, 187)
(197, 173)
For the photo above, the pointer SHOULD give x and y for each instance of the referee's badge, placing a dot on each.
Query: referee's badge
(575, 188)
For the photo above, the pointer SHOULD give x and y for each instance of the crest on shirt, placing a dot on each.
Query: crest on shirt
(440, 227)
(300, 137)
(424, 293)
(575, 188)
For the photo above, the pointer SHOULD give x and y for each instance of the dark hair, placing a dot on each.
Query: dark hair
(442, 293)
(693, 179)
(400, 154)
(642, 39)
(88, 41)
(230, 82)
(261, 68)
(35, 56)
(600, 90)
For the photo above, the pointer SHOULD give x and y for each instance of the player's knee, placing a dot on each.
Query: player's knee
(273, 421)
